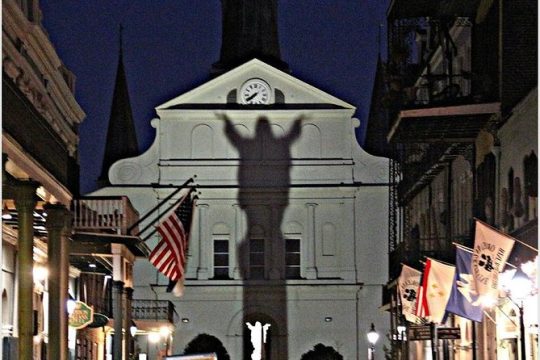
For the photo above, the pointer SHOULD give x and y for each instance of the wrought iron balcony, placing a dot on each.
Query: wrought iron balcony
(412, 252)
(153, 310)
(104, 214)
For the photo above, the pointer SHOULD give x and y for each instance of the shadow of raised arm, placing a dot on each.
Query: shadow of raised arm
(233, 135)
(295, 130)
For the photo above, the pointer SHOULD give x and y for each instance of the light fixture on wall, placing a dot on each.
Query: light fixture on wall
(328, 319)
(6, 215)
(133, 328)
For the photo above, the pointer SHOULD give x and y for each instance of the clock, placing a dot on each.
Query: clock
(255, 92)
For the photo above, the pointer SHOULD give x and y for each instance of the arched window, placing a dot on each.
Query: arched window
(485, 189)
(5, 309)
(530, 174)
(309, 145)
(202, 142)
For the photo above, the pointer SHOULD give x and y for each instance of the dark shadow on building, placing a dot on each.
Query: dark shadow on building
(264, 173)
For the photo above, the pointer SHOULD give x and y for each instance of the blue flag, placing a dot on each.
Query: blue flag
(464, 297)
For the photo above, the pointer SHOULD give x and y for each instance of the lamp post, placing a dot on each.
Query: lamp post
(401, 328)
(372, 337)
(520, 288)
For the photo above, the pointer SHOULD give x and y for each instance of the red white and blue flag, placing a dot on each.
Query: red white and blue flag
(169, 256)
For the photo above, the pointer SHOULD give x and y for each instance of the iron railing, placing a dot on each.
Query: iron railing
(157, 310)
(113, 214)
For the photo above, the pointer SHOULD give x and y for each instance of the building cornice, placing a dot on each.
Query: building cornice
(31, 62)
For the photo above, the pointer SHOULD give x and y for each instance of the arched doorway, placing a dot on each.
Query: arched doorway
(272, 333)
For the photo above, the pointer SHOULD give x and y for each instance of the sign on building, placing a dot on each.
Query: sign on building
(81, 316)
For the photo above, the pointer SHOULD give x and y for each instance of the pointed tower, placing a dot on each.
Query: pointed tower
(121, 137)
(249, 30)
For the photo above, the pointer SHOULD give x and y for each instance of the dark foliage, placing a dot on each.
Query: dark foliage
(322, 352)
(205, 343)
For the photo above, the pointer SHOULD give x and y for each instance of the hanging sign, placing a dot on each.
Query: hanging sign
(81, 316)
(419, 332)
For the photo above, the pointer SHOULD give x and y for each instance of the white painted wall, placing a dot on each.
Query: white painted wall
(337, 206)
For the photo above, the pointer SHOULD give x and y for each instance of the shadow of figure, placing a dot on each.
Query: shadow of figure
(264, 183)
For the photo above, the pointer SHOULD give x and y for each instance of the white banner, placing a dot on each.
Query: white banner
(440, 279)
(408, 283)
(491, 250)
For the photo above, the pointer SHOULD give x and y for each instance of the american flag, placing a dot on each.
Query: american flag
(169, 256)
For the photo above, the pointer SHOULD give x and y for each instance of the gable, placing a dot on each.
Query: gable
(285, 91)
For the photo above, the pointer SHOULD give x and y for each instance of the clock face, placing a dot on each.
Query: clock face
(255, 91)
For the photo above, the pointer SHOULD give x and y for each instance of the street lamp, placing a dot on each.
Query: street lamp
(401, 328)
(372, 337)
(520, 288)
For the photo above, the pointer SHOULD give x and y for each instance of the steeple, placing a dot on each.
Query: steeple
(249, 30)
(121, 136)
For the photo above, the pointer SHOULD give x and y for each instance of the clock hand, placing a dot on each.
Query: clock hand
(249, 98)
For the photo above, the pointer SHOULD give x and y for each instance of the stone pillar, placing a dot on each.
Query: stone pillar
(59, 229)
(25, 203)
(311, 268)
(118, 309)
(236, 241)
(202, 271)
(128, 348)
(275, 244)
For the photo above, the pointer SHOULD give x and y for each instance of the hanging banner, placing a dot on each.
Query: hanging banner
(491, 249)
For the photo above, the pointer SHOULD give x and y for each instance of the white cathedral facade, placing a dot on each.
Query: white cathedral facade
(290, 224)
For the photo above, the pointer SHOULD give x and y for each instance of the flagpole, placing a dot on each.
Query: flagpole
(505, 234)
(158, 205)
(469, 250)
(443, 262)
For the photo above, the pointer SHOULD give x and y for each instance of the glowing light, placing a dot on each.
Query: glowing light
(153, 337)
(133, 329)
(70, 306)
(41, 273)
(488, 301)
(372, 335)
(164, 331)
(521, 285)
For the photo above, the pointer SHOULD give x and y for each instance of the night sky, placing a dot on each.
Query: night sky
(170, 45)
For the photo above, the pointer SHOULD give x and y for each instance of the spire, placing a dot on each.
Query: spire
(249, 30)
(121, 136)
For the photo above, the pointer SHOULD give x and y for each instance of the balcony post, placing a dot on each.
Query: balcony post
(59, 228)
(25, 203)
(118, 289)
(128, 343)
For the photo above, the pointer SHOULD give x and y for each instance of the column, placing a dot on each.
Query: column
(311, 269)
(202, 271)
(128, 349)
(276, 245)
(236, 241)
(25, 203)
(59, 229)
(118, 290)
